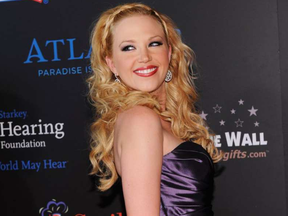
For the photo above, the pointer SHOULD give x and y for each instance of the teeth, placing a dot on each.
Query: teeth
(145, 71)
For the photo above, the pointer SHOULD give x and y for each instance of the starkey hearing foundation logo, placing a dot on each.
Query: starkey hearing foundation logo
(55, 208)
(38, 1)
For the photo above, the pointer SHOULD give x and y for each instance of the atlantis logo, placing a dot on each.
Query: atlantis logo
(54, 208)
(39, 1)
(38, 54)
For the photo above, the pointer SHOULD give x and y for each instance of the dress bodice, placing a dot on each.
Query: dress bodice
(187, 181)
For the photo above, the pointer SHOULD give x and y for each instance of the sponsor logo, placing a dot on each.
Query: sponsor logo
(55, 208)
(10, 129)
(38, 1)
(13, 114)
(240, 154)
(32, 165)
(178, 31)
(240, 130)
(236, 139)
(23, 144)
(40, 52)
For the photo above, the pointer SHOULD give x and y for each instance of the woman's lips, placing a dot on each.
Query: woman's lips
(146, 71)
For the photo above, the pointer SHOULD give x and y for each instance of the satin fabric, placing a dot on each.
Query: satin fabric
(187, 181)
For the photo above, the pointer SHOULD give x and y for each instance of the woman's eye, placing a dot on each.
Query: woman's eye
(156, 43)
(128, 48)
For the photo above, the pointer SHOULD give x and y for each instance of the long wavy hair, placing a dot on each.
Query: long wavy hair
(108, 96)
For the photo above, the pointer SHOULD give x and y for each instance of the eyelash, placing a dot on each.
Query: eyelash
(127, 48)
(157, 42)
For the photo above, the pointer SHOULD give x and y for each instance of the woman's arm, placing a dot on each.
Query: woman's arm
(139, 133)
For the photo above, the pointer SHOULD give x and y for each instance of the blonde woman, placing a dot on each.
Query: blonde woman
(147, 130)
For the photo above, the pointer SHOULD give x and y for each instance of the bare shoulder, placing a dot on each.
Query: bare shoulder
(139, 115)
(137, 123)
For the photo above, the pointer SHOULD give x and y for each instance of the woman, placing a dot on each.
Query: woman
(148, 131)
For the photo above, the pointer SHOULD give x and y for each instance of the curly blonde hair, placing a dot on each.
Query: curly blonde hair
(108, 96)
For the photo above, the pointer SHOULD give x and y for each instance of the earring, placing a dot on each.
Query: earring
(117, 80)
(169, 76)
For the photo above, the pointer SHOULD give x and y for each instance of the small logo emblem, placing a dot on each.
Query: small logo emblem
(54, 208)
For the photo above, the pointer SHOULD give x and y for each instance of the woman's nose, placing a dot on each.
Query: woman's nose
(144, 55)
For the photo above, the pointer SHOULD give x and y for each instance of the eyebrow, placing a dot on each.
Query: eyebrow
(133, 41)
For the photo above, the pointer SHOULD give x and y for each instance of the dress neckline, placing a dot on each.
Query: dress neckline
(178, 146)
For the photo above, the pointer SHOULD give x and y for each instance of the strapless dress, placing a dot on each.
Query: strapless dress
(187, 181)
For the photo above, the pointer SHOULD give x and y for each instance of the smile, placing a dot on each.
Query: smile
(148, 71)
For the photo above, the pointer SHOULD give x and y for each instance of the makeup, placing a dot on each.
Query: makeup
(146, 71)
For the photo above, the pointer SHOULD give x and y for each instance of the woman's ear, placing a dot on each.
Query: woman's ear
(110, 64)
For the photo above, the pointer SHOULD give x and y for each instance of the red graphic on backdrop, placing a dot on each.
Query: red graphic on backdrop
(117, 214)
(39, 1)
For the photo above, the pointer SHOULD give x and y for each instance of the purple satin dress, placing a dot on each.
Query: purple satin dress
(187, 181)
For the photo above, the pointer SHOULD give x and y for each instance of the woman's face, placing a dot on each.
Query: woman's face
(140, 53)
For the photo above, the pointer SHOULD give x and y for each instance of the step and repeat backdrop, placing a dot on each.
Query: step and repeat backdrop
(241, 49)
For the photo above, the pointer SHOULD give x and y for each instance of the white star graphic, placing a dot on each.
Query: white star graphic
(222, 123)
(233, 111)
(256, 124)
(217, 108)
(203, 115)
(252, 111)
(241, 102)
(239, 123)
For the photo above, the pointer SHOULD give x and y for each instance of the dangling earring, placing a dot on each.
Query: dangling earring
(116, 79)
(169, 76)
